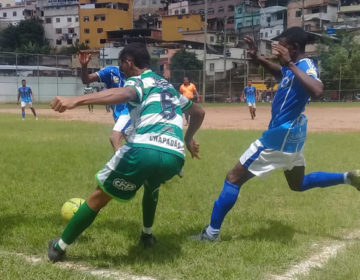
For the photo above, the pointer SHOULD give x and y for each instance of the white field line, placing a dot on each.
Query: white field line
(319, 259)
(100, 272)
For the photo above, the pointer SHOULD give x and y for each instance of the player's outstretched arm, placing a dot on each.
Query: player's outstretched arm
(84, 59)
(197, 115)
(273, 68)
(106, 97)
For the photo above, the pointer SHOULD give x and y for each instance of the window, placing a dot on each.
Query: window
(239, 11)
(58, 31)
(14, 14)
(87, 41)
(307, 27)
(48, 20)
(279, 16)
(277, 32)
(69, 41)
(231, 8)
(176, 12)
(57, 19)
(315, 10)
(266, 34)
(77, 19)
(154, 1)
(201, 11)
(69, 19)
(86, 18)
(221, 9)
(102, 41)
(58, 41)
(100, 30)
(212, 39)
(179, 29)
(99, 18)
(71, 30)
(4, 15)
(212, 67)
(183, 11)
(298, 14)
(86, 30)
(230, 20)
(0, 5)
(210, 11)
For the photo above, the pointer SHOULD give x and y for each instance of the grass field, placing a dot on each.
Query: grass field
(46, 162)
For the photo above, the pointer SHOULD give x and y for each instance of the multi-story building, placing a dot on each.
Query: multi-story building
(11, 15)
(96, 17)
(247, 20)
(178, 8)
(61, 22)
(173, 26)
(273, 21)
(147, 7)
(9, 3)
(219, 13)
(312, 14)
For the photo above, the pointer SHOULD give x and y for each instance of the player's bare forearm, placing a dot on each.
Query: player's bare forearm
(88, 78)
(197, 115)
(106, 97)
(273, 68)
(313, 87)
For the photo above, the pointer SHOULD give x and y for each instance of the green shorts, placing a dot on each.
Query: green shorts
(131, 167)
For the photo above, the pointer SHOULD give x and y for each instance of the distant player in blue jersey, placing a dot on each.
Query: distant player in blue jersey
(26, 95)
(250, 99)
(112, 77)
(281, 145)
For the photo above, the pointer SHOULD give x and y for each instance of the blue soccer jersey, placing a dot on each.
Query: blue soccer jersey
(250, 93)
(25, 94)
(112, 77)
(287, 128)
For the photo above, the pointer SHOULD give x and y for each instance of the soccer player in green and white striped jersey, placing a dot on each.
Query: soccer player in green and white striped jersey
(154, 152)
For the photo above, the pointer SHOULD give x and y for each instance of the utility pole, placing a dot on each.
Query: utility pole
(204, 61)
(302, 14)
(224, 52)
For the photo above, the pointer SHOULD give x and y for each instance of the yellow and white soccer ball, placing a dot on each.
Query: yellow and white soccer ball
(70, 207)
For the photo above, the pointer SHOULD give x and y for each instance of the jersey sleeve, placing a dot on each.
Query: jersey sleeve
(104, 76)
(308, 66)
(136, 84)
(193, 87)
(185, 103)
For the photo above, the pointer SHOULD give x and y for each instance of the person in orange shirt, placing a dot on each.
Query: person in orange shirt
(188, 90)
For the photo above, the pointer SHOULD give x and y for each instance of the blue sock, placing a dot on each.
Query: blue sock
(223, 204)
(321, 179)
(23, 114)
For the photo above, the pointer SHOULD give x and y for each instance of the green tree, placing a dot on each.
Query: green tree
(184, 63)
(27, 36)
(340, 58)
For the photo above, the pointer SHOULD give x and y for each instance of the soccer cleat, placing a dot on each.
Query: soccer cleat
(55, 254)
(204, 236)
(354, 178)
(148, 240)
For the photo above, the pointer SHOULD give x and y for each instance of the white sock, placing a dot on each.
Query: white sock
(212, 231)
(62, 245)
(346, 178)
(147, 230)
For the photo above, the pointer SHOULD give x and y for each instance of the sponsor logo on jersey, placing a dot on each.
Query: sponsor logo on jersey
(115, 79)
(123, 185)
(164, 140)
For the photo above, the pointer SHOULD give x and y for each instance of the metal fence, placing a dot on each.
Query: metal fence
(52, 75)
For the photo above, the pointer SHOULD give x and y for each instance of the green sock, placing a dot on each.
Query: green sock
(149, 203)
(78, 223)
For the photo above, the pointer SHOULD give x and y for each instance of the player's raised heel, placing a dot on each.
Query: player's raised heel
(204, 236)
(354, 178)
(148, 240)
(55, 254)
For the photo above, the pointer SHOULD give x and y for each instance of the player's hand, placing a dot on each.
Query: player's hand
(193, 148)
(281, 53)
(252, 51)
(84, 57)
(61, 104)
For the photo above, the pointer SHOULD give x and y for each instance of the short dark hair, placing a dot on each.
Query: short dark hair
(295, 35)
(138, 53)
(23, 80)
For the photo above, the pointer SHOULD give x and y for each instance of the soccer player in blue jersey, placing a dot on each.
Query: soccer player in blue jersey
(281, 145)
(112, 77)
(26, 95)
(250, 98)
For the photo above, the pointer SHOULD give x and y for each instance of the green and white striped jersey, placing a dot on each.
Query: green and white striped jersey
(156, 115)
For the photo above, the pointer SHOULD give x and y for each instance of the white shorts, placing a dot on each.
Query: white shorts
(23, 104)
(251, 104)
(260, 161)
(122, 123)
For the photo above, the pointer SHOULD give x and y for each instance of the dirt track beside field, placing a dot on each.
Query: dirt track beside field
(337, 119)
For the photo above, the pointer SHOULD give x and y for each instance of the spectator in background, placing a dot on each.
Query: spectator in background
(188, 90)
